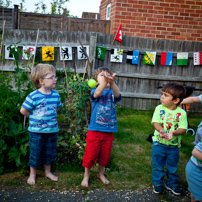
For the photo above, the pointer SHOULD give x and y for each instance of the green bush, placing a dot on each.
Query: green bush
(13, 137)
(73, 120)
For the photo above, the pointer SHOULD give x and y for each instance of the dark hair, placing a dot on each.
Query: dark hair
(100, 69)
(177, 90)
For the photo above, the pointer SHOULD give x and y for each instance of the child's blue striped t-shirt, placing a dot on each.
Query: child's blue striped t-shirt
(43, 111)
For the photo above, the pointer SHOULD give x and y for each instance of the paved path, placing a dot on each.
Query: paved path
(95, 195)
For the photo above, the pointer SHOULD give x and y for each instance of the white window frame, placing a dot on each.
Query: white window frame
(108, 11)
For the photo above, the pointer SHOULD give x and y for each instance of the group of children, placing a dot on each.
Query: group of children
(169, 120)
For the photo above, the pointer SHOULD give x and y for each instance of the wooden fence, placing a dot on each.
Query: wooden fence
(33, 21)
(137, 83)
(6, 14)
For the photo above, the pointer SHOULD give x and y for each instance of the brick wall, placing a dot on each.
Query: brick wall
(157, 19)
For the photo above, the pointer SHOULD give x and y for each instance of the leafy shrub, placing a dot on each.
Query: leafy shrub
(73, 119)
(14, 138)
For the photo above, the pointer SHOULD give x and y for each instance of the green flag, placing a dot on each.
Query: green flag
(100, 52)
(182, 58)
(149, 58)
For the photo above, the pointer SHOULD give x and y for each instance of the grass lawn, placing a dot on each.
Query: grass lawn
(130, 166)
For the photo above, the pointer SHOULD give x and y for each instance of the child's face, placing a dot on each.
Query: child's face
(49, 81)
(101, 78)
(167, 100)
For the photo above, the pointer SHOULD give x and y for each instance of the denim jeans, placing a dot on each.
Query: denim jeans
(42, 148)
(165, 155)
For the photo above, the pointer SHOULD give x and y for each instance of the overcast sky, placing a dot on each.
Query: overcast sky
(76, 7)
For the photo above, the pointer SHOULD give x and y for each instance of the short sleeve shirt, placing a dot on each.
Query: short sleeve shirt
(194, 159)
(103, 115)
(199, 145)
(170, 120)
(43, 111)
(200, 98)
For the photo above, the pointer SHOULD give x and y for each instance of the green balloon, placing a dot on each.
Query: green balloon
(92, 83)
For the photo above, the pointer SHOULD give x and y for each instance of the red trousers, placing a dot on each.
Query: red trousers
(99, 146)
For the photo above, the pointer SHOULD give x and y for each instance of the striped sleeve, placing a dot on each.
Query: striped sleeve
(199, 146)
(28, 103)
(200, 98)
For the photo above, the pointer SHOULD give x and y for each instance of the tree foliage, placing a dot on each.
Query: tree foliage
(5, 4)
(57, 6)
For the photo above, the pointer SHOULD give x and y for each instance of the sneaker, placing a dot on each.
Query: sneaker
(175, 190)
(158, 189)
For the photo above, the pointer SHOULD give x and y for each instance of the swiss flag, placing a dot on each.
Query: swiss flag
(118, 36)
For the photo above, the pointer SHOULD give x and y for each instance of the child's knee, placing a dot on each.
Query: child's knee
(88, 163)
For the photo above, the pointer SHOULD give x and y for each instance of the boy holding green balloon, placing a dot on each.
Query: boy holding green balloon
(103, 123)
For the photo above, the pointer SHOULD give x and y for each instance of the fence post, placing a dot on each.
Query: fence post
(92, 49)
(15, 17)
(64, 20)
(68, 23)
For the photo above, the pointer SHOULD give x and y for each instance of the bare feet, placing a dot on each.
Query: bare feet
(31, 180)
(84, 183)
(103, 179)
(86, 177)
(52, 177)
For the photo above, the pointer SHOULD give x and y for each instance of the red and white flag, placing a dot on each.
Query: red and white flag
(197, 58)
(118, 36)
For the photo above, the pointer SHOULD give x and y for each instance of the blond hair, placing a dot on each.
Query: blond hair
(39, 72)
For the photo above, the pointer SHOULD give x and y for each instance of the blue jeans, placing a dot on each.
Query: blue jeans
(42, 148)
(165, 155)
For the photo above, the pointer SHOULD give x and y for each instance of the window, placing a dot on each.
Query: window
(108, 11)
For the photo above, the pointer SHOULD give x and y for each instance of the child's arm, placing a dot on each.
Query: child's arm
(100, 89)
(196, 153)
(159, 128)
(114, 87)
(177, 132)
(24, 112)
(190, 100)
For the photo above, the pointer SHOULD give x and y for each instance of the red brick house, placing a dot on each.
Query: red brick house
(157, 19)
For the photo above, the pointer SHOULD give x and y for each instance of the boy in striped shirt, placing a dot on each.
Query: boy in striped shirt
(41, 107)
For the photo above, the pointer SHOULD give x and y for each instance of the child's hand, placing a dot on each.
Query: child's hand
(163, 134)
(169, 136)
(109, 77)
(113, 76)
